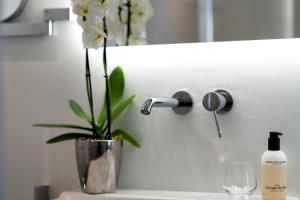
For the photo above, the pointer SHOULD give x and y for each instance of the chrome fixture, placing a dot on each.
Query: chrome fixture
(181, 103)
(218, 102)
(98, 164)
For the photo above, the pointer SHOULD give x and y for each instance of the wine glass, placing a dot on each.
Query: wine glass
(240, 180)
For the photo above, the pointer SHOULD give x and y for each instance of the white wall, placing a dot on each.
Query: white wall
(25, 150)
(184, 152)
(179, 152)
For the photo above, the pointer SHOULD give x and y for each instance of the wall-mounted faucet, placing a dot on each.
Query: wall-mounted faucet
(218, 102)
(181, 103)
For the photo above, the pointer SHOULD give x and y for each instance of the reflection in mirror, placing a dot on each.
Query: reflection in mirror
(1, 124)
(11, 9)
(184, 21)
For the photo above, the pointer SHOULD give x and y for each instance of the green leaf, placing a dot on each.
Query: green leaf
(68, 136)
(79, 111)
(126, 136)
(70, 126)
(117, 85)
(102, 115)
(121, 107)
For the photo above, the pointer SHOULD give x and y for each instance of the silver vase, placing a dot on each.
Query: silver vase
(98, 163)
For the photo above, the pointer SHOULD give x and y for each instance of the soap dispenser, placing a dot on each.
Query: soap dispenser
(274, 170)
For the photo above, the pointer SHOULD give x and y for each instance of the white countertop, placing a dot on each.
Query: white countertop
(151, 195)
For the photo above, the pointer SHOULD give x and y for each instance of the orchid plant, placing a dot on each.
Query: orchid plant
(121, 21)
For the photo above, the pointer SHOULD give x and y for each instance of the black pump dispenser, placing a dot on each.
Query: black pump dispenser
(274, 141)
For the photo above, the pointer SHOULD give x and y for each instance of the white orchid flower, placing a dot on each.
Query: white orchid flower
(115, 28)
(138, 28)
(93, 31)
(84, 8)
(106, 6)
(92, 12)
(141, 10)
(137, 40)
(80, 7)
(90, 20)
(93, 38)
(95, 22)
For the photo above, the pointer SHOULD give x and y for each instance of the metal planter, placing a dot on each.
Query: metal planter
(98, 163)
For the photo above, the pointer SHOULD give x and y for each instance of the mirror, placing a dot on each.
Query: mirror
(10, 9)
(184, 21)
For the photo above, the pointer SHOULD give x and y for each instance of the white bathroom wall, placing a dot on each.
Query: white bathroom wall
(26, 163)
(184, 152)
(178, 152)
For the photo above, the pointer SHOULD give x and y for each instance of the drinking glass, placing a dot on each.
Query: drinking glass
(240, 180)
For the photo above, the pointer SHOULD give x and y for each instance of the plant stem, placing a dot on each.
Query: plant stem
(120, 8)
(128, 22)
(89, 89)
(107, 89)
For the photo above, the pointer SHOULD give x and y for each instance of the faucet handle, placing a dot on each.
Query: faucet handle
(214, 101)
(218, 102)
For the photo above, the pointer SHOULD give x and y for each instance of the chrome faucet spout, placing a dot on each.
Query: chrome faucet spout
(158, 102)
(181, 103)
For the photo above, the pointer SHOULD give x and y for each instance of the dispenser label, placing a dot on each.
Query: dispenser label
(275, 162)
